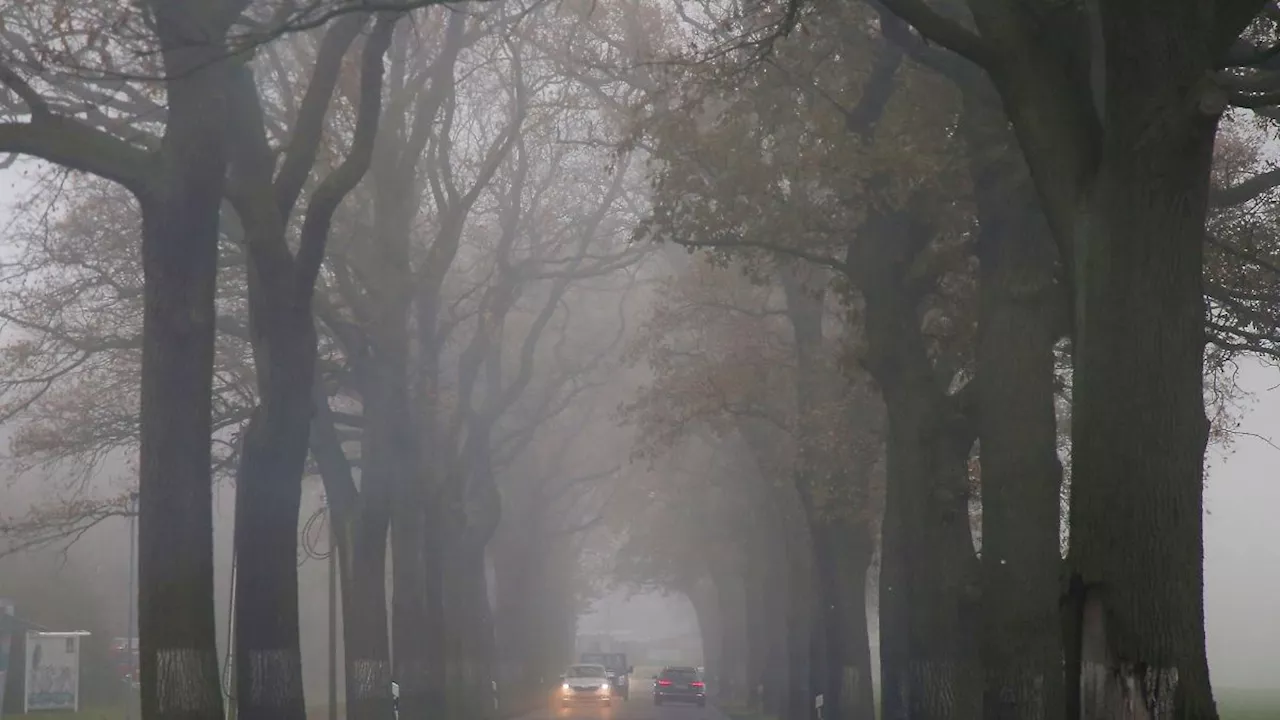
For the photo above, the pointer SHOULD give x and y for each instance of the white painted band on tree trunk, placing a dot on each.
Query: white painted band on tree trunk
(275, 677)
(1124, 692)
(372, 678)
(414, 673)
(1159, 686)
(850, 685)
(1025, 693)
(941, 688)
(187, 681)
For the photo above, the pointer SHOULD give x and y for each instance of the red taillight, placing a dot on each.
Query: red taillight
(695, 684)
(664, 682)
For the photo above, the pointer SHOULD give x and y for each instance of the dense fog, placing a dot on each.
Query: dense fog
(659, 359)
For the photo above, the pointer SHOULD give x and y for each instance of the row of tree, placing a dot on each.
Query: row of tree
(960, 271)
(382, 246)
(959, 230)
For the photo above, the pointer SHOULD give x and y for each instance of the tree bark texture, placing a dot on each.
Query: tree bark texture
(1138, 424)
(281, 287)
(799, 702)
(774, 500)
(1021, 308)
(929, 577)
(1118, 129)
(268, 499)
(758, 625)
(732, 610)
(361, 517)
(842, 556)
(839, 535)
(363, 564)
(180, 220)
(398, 436)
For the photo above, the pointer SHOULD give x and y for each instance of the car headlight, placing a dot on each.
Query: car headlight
(604, 687)
(565, 687)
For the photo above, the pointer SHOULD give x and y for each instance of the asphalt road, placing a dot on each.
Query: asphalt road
(639, 707)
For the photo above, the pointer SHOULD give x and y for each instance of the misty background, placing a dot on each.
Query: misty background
(771, 269)
(89, 579)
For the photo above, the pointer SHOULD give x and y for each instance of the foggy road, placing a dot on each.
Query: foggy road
(639, 707)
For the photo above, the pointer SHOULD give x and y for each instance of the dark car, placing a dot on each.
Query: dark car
(679, 684)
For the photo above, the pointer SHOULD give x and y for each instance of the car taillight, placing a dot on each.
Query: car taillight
(664, 682)
(695, 684)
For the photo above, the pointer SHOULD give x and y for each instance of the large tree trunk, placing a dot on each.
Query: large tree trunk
(437, 620)
(929, 664)
(759, 622)
(394, 460)
(268, 499)
(275, 445)
(1121, 157)
(799, 703)
(519, 602)
(402, 441)
(732, 610)
(434, 512)
(470, 633)
(180, 212)
(702, 595)
(481, 641)
(775, 503)
(805, 310)
(1021, 308)
(361, 517)
(363, 565)
(843, 555)
(929, 577)
(536, 612)
(839, 539)
(179, 657)
(857, 684)
(775, 676)
(532, 595)
(1139, 426)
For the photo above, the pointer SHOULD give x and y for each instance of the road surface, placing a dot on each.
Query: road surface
(639, 707)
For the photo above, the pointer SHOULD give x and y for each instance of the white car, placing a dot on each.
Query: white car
(585, 684)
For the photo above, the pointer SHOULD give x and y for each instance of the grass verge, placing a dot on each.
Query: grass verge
(1233, 704)
(1242, 704)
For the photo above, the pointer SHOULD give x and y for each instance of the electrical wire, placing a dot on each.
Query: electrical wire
(228, 668)
(314, 532)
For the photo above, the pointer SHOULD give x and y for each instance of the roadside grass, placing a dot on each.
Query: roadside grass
(1248, 704)
(1233, 704)
(106, 712)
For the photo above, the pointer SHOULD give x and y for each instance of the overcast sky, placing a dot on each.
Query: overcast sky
(1242, 558)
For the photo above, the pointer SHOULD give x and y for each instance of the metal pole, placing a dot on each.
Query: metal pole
(130, 605)
(233, 708)
(333, 616)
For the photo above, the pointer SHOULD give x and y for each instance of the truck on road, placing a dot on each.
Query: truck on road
(616, 669)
